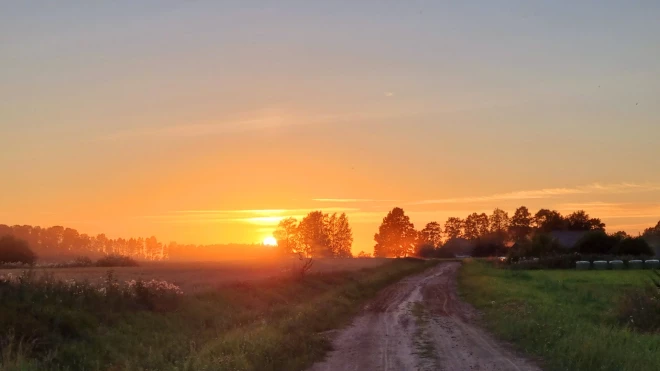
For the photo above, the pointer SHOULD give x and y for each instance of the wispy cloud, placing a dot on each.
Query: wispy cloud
(595, 188)
(201, 129)
(261, 217)
(260, 211)
(350, 200)
(252, 122)
(608, 210)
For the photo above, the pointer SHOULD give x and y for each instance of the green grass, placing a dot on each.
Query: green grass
(275, 324)
(566, 318)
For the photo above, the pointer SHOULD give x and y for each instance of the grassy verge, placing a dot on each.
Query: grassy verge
(567, 318)
(276, 324)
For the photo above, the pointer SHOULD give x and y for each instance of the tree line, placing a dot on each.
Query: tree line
(59, 242)
(317, 235)
(397, 236)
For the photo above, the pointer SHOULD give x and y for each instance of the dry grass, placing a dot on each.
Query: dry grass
(262, 325)
(193, 277)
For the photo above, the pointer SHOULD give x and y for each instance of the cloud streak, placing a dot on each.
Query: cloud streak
(349, 200)
(254, 121)
(595, 188)
(262, 217)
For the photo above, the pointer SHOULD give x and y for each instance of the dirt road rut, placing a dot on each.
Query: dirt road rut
(420, 323)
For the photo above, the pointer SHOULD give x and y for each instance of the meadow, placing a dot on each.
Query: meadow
(567, 319)
(200, 276)
(278, 323)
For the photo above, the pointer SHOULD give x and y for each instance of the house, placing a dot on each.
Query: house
(567, 239)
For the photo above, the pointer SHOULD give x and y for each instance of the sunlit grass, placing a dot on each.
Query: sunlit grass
(566, 318)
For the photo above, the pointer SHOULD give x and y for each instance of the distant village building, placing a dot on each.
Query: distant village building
(567, 239)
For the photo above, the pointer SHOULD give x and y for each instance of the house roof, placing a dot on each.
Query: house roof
(567, 239)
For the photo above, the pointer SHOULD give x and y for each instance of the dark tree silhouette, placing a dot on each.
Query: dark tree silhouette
(580, 221)
(314, 239)
(341, 236)
(431, 234)
(652, 231)
(318, 235)
(454, 228)
(520, 225)
(476, 226)
(596, 242)
(396, 235)
(499, 225)
(547, 221)
(286, 235)
(633, 246)
(14, 250)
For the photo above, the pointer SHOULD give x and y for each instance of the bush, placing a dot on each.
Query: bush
(68, 313)
(597, 242)
(13, 250)
(426, 251)
(564, 261)
(538, 246)
(633, 246)
(488, 247)
(116, 261)
(81, 261)
(429, 252)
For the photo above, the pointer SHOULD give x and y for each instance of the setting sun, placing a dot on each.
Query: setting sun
(270, 241)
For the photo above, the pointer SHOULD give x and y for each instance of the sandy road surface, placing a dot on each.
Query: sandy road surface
(420, 323)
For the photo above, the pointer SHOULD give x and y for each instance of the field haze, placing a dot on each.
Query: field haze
(199, 276)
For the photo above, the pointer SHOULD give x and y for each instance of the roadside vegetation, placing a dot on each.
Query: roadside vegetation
(570, 320)
(275, 324)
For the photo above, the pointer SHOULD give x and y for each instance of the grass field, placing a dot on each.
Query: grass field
(565, 318)
(204, 275)
(272, 324)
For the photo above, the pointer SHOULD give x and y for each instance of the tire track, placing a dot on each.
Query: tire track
(383, 336)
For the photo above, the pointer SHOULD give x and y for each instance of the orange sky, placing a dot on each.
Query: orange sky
(193, 121)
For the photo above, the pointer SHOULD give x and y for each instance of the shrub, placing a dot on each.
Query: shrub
(565, 261)
(13, 250)
(81, 261)
(489, 247)
(539, 245)
(428, 252)
(71, 311)
(116, 261)
(639, 308)
(633, 246)
(155, 295)
(596, 242)
(425, 251)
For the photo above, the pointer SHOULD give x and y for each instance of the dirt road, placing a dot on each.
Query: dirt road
(420, 323)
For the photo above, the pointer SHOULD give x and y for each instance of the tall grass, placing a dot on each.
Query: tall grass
(568, 319)
(276, 324)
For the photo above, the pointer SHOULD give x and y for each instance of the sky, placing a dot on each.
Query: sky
(207, 122)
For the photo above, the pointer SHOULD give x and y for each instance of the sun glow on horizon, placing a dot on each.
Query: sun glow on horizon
(270, 241)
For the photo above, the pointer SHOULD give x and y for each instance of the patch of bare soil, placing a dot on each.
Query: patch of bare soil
(420, 323)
